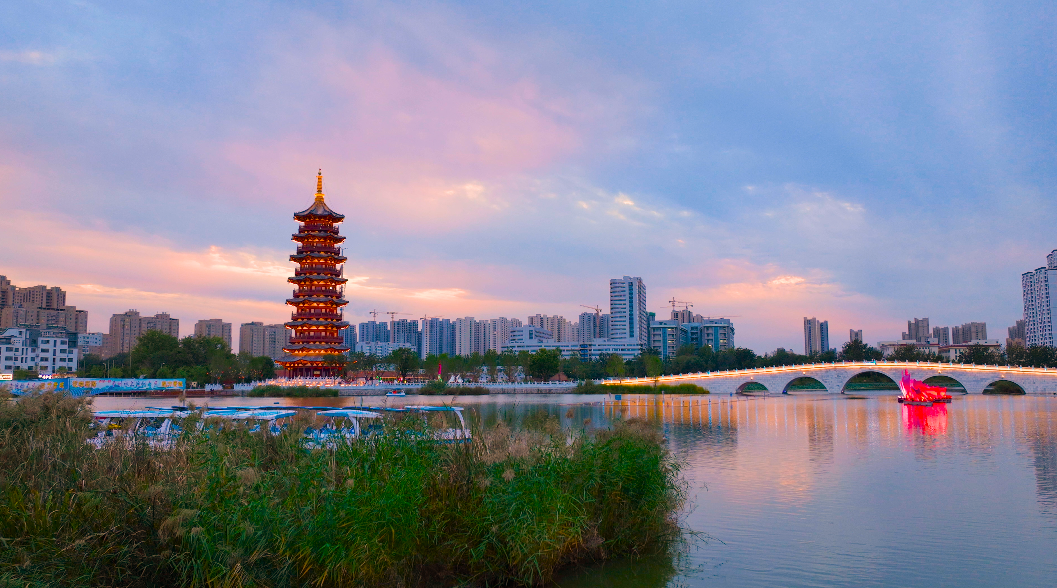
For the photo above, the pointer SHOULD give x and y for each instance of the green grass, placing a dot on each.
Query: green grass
(592, 388)
(231, 508)
(273, 391)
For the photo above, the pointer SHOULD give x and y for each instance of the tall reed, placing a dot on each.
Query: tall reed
(227, 507)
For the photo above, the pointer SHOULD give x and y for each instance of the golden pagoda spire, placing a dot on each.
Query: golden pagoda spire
(319, 186)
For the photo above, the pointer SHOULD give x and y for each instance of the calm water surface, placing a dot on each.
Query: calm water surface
(828, 490)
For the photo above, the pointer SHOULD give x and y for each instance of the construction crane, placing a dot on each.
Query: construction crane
(374, 314)
(674, 302)
(597, 309)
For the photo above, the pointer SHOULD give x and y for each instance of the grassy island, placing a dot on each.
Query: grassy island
(227, 507)
(273, 391)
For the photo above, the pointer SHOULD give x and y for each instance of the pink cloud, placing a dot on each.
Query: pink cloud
(393, 138)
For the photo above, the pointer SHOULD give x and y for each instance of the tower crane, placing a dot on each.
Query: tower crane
(686, 305)
(597, 309)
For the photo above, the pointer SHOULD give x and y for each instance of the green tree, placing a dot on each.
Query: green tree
(906, 353)
(404, 360)
(154, 349)
(858, 351)
(545, 363)
(508, 359)
(653, 364)
(615, 367)
(574, 367)
(1041, 356)
(20, 374)
(979, 355)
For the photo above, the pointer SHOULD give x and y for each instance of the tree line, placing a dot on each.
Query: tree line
(200, 360)
(544, 364)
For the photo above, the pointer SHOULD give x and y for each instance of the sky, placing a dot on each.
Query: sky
(864, 163)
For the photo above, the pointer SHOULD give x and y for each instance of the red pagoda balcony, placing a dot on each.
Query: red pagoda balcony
(324, 270)
(318, 249)
(306, 339)
(318, 291)
(318, 316)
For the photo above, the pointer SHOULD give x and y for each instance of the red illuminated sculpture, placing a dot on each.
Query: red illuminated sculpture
(917, 393)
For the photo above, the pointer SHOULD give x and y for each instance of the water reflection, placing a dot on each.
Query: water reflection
(929, 420)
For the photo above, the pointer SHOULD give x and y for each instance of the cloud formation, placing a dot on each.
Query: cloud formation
(761, 162)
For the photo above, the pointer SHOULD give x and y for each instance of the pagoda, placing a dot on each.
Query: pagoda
(317, 318)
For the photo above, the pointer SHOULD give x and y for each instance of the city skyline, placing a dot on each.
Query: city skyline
(761, 163)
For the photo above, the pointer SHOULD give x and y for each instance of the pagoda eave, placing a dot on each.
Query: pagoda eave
(318, 278)
(317, 323)
(296, 301)
(316, 255)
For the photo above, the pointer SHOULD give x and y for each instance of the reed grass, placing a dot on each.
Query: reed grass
(226, 507)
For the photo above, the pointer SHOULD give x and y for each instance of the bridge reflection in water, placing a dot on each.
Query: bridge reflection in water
(976, 418)
(830, 490)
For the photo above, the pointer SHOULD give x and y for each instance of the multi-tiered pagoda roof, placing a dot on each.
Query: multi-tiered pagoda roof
(317, 346)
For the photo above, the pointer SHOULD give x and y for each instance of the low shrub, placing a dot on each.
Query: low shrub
(434, 387)
(273, 391)
(593, 388)
(227, 507)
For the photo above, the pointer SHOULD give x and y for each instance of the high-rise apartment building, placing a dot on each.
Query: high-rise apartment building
(855, 335)
(259, 339)
(627, 310)
(942, 335)
(373, 332)
(1017, 334)
(1040, 303)
(494, 334)
(7, 292)
(464, 336)
(816, 336)
(406, 333)
(968, 332)
(214, 328)
(348, 337)
(127, 327)
(38, 306)
(590, 327)
(438, 337)
(917, 330)
(717, 333)
(563, 330)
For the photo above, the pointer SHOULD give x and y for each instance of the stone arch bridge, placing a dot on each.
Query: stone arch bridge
(835, 376)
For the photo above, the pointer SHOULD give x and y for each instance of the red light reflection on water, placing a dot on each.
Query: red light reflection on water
(930, 420)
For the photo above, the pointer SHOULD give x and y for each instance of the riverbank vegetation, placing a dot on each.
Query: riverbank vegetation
(592, 388)
(271, 391)
(232, 508)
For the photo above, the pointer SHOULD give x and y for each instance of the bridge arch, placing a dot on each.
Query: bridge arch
(952, 384)
(751, 386)
(804, 383)
(868, 380)
(1004, 386)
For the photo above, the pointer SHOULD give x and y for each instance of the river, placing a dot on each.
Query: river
(826, 490)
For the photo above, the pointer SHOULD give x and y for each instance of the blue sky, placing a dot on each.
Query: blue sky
(866, 163)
